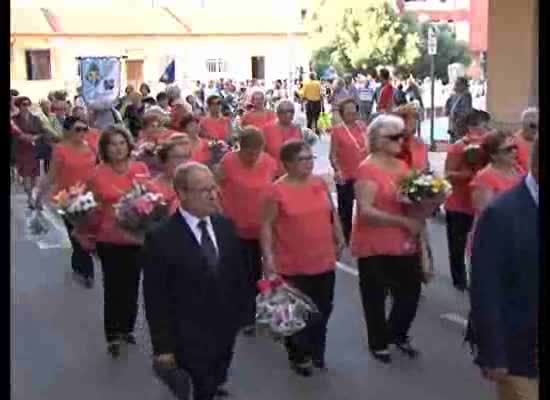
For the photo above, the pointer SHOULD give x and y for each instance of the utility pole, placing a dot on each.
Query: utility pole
(432, 51)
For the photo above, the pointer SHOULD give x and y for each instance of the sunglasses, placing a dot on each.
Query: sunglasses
(81, 129)
(395, 138)
(509, 149)
(533, 126)
(286, 111)
(25, 104)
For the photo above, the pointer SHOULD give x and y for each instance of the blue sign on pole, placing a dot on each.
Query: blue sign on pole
(100, 79)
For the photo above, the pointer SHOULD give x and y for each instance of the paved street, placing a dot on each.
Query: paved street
(58, 350)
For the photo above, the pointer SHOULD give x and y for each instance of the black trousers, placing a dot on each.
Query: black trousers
(207, 374)
(346, 197)
(81, 260)
(310, 343)
(121, 276)
(253, 260)
(313, 110)
(458, 227)
(379, 276)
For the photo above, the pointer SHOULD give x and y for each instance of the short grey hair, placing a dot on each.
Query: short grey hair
(285, 102)
(530, 115)
(383, 121)
(183, 171)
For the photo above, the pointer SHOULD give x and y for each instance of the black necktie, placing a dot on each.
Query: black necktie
(207, 245)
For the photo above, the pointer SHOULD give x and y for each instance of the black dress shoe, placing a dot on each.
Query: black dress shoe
(383, 356)
(222, 392)
(406, 348)
(114, 349)
(304, 369)
(88, 282)
(319, 364)
(249, 331)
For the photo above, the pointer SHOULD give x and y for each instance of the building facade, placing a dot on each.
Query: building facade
(243, 44)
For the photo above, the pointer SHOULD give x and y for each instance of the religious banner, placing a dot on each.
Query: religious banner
(100, 79)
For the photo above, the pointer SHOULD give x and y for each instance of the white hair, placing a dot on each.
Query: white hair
(384, 121)
(529, 115)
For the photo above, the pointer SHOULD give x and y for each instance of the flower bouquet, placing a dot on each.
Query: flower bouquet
(281, 309)
(146, 152)
(422, 193)
(217, 148)
(140, 209)
(75, 204)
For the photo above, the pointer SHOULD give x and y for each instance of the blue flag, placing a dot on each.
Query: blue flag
(169, 74)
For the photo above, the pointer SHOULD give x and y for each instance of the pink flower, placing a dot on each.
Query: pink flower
(143, 205)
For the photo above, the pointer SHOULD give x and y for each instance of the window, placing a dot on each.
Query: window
(216, 65)
(38, 65)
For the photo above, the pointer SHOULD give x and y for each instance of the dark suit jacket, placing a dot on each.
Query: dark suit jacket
(193, 311)
(505, 283)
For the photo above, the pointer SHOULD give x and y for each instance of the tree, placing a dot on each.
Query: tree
(449, 51)
(363, 32)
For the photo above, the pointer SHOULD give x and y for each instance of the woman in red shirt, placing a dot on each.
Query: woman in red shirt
(385, 242)
(215, 126)
(281, 131)
(170, 154)
(459, 212)
(245, 177)
(117, 249)
(415, 151)
(348, 148)
(258, 116)
(199, 146)
(301, 240)
(73, 162)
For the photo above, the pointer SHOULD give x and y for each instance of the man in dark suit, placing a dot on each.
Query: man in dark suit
(505, 286)
(195, 285)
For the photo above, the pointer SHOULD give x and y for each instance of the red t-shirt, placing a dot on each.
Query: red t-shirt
(72, 165)
(215, 128)
(275, 136)
(302, 232)
(259, 119)
(167, 190)
(243, 191)
(385, 100)
(201, 153)
(388, 240)
(351, 147)
(415, 154)
(492, 179)
(92, 137)
(108, 187)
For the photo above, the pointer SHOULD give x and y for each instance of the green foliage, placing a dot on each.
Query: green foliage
(449, 51)
(350, 34)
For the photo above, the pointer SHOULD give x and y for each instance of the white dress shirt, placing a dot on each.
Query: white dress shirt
(533, 188)
(193, 223)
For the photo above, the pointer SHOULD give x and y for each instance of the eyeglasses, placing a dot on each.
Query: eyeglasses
(25, 104)
(81, 129)
(286, 111)
(395, 138)
(508, 149)
(216, 103)
(204, 191)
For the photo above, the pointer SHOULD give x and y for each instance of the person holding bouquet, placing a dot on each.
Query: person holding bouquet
(170, 154)
(117, 249)
(384, 238)
(301, 239)
(415, 151)
(215, 126)
(245, 176)
(348, 148)
(73, 162)
(464, 159)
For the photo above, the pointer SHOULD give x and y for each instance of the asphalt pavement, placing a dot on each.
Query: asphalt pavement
(58, 351)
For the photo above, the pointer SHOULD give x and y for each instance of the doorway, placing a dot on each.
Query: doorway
(134, 73)
(258, 67)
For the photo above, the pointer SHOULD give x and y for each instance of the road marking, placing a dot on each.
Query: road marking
(455, 318)
(347, 268)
